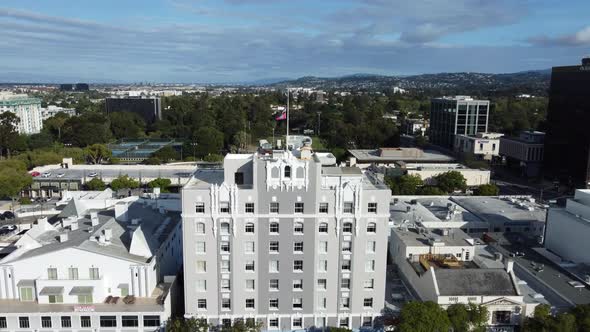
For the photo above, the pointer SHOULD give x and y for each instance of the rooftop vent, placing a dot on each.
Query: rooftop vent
(63, 237)
(74, 226)
(108, 234)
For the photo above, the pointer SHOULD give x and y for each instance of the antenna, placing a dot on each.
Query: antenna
(287, 137)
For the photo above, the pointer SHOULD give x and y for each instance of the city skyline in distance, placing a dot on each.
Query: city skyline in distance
(236, 41)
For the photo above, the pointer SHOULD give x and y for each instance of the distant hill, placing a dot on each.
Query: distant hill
(536, 81)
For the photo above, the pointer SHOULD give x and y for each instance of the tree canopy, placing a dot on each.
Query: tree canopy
(487, 190)
(451, 181)
(423, 317)
(124, 182)
(163, 184)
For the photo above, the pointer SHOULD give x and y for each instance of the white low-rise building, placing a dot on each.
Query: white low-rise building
(428, 172)
(105, 264)
(27, 109)
(52, 110)
(483, 145)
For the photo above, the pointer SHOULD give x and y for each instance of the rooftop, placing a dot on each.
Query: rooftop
(398, 154)
(79, 172)
(498, 211)
(474, 282)
(414, 237)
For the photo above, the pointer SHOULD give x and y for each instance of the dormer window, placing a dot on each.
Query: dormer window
(287, 172)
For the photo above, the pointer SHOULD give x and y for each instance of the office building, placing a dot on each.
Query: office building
(27, 109)
(286, 238)
(567, 145)
(460, 115)
(568, 229)
(524, 153)
(484, 146)
(105, 265)
(78, 87)
(148, 108)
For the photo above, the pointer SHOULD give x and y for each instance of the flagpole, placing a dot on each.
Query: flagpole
(287, 137)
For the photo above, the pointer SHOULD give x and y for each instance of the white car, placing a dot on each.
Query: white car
(92, 174)
(46, 174)
(61, 175)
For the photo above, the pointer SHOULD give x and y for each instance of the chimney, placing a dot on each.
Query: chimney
(108, 234)
(509, 265)
(63, 237)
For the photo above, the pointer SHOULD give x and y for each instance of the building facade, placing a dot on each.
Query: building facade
(106, 265)
(27, 109)
(148, 108)
(567, 147)
(460, 115)
(524, 152)
(52, 110)
(287, 239)
(485, 146)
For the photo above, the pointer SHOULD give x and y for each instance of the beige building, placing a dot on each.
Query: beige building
(483, 145)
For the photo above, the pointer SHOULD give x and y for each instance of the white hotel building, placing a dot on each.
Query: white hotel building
(27, 109)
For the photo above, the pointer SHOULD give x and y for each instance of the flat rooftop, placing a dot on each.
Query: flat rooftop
(133, 171)
(429, 209)
(390, 155)
(475, 282)
(500, 211)
(412, 237)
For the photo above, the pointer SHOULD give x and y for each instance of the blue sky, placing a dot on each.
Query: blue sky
(248, 40)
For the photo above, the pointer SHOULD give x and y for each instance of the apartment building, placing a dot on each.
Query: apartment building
(105, 265)
(285, 238)
(27, 109)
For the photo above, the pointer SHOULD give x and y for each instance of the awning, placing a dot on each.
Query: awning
(123, 286)
(57, 290)
(82, 290)
(26, 283)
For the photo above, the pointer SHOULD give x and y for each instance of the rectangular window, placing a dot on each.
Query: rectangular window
(85, 321)
(239, 178)
(273, 304)
(273, 322)
(274, 207)
(344, 322)
(298, 303)
(94, 273)
(225, 304)
(371, 227)
(323, 265)
(52, 273)
(273, 228)
(297, 322)
(298, 266)
(151, 321)
(45, 321)
(249, 228)
(225, 285)
(298, 247)
(201, 285)
(249, 303)
(108, 321)
(200, 228)
(23, 322)
(368, 302)
(250, 247)
(66, 321)
(347, 227)
(224, 207)
(273, 266)
(370, 266)
(273, 284)
(201, 266)
(323, 247)
(249, 208)
(372, 208)
(298, 284)
(345, 302)
(299, 207)
(322, 303)
(3, 323)
(347, 246)
(322, 284)
(250, 284)
(369, 284)
(346, 265)
(73, 273)
(273, 247)
(225, 248)
(224, 228)
(26, 294)
(56, 298)
(129, 321)
(225, 267)
(348, 207)
(323, 208)
(371, 246)
(345, 283)
(202, 304)
(323, 228)
(367, 321)
(249, 266)
(85, 299)
(200, 207)
(200, 247)
(298, 228)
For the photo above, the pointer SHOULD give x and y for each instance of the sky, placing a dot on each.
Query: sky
(222, 41)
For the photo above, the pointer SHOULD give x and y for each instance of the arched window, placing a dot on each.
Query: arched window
(249, 228)
(298, 227)
(371, 227)
(323, 227)
(200, 228)
(287, 172)
(347, 227)
(224, 228)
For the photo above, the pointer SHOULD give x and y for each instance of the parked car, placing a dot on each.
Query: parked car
(92, 174)
(61, 175)
(46, 174)
(35, 174)
(8, 215)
